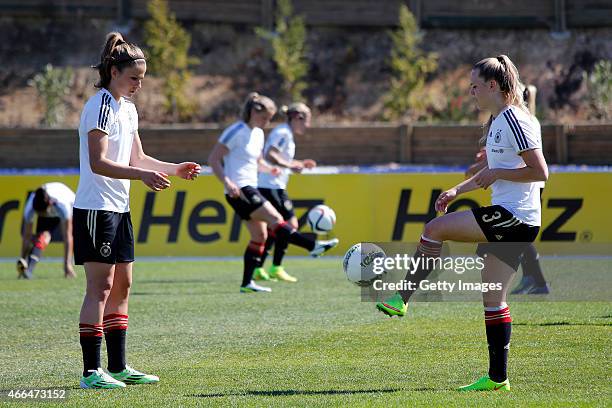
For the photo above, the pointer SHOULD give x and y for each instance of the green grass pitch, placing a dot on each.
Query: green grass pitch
(313, 343)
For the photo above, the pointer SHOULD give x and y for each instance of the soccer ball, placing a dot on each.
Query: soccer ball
(321, 219)
(358, 263)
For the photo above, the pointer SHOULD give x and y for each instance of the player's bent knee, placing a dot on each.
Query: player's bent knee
(434, 230)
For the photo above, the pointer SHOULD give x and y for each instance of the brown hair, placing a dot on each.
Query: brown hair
(504, 72)
(257, 102)
(41, 200)
(119, 53)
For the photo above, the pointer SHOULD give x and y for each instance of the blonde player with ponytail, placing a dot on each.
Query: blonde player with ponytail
(515, 166)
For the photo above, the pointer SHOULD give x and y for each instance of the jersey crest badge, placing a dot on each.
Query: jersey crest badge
(498, 136)
(105, 251)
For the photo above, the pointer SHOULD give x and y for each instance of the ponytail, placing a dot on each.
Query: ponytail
(504, 72)
(119, 53)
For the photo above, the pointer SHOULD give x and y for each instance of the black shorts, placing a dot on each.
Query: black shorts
(508, 236)
(50, 224)
(250, 199)
(279, 200)
(102, 236)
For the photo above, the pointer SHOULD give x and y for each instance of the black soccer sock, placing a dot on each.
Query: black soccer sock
(279, 253)
(269, 244)
(285, 234)
(252, 259)
(531, 265)
(90, 336)
(499, 329)
(115, 331)
(427, 252)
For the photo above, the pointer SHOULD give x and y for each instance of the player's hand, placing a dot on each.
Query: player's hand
(444, 199)
(486, 177)
(155, 180)
(309, 163)
(297, 166)
(232, 189)
(275, 171)
(188, 170)
(69, 271)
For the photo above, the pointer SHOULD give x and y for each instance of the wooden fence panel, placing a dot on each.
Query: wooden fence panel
(331, 145)
(104, 9)
(589, 144)
(222, 11)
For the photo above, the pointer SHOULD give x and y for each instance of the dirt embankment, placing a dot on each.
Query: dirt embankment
(348, 75)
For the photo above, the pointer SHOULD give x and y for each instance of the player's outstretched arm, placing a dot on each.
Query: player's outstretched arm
(185, 170)
(100, 164)
(449, 195)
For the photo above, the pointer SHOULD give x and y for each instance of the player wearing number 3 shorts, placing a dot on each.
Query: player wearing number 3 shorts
(515, 166)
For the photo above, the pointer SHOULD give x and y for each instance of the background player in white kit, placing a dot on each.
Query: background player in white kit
(279, 150)
(515, 167)
(236, 160)
(52, 202)
(110, 156)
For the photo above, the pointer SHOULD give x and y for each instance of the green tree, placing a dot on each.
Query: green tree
(52, 85)
(599, 84)
(289, 48)
(168, 48)
(410, 67)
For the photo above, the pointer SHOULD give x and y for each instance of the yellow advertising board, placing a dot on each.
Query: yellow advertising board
(193, 218)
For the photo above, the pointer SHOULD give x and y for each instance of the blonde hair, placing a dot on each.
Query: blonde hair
(504, 72)
(296, 109)
(257, 102)
(119, 53)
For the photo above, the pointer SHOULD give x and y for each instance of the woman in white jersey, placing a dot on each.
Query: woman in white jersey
(533, 281)
(110, 156)
(236, 160)
(280, 151)
(515, 166)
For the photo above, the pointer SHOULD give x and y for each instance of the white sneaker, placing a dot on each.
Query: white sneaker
(323, 246)
(99, 379)
(253, 287)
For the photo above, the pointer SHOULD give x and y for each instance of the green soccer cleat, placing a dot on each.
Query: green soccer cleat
(131, 376)
(394, 306)
(260, 274)
(99, 379)
(278, 272)
(486, 384)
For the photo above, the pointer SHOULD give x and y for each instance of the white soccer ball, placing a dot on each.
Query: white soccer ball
(321, 219)
(358, 263)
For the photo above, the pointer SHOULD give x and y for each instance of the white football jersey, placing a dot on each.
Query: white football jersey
(120, 121)
(513, 131)
(280, 138)
(245, 147)
(62, 200)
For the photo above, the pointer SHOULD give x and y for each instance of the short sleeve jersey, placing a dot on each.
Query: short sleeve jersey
(512, 132)
(119, 120)
(245, 147)
(62, 200)
(281, 138)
